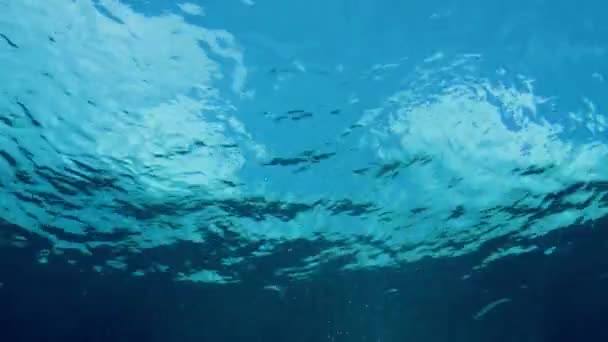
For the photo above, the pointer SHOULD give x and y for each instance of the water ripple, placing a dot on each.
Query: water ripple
(131, 137)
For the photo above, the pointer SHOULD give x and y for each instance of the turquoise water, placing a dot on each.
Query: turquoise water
(218, 142)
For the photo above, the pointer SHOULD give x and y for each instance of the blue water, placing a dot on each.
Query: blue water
(431, 157)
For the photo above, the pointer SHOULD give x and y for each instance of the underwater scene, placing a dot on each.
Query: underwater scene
(303, 171)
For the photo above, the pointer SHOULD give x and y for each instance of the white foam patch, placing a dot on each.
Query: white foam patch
(501, 253)
(191, 9)
(117, 264)
(173, 146)
(134, 93)
(489, 307)
(205, 276)
(145, 65)
(462, 129)
(550, 250)
(466, 136)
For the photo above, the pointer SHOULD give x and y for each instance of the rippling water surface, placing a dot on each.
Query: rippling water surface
(221, 141)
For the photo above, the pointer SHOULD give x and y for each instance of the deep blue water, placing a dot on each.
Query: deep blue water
(264, 170)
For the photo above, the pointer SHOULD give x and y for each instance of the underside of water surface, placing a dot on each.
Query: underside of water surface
(223, 142)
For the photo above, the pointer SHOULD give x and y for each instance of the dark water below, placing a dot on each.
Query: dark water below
(557, 298)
